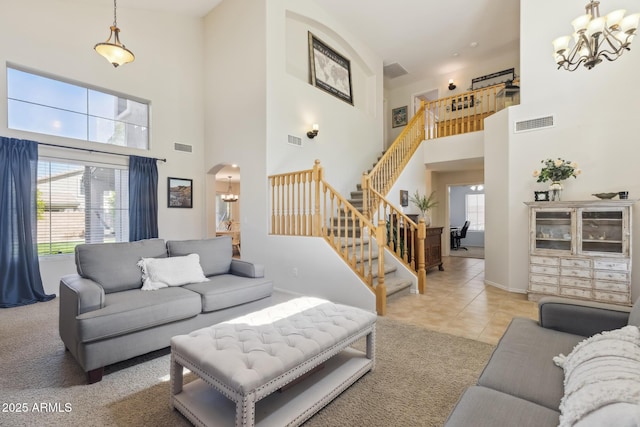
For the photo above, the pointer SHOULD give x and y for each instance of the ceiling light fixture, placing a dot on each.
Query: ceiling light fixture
(115, 52)
(595, 38)
(229, 196)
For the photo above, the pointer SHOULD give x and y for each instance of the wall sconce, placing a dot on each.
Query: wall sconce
(314, 132)
(451, 85)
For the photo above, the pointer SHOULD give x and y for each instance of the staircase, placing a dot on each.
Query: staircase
(395, 285)
(303, 203)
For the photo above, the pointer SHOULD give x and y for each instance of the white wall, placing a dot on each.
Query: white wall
(257, 93)
(468, 146)
(235, 112)
(349, 141)
(597, 125)
(57, 37)
(412, 178)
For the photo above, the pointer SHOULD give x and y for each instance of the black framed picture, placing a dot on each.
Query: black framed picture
(180, 193)
(329, 70)
(399, 116)
(404, 198)
(541, 196)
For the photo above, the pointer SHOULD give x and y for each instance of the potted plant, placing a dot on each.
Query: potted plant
(556, 171)
(424, 203)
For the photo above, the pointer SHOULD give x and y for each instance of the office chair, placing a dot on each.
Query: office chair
(458, 235)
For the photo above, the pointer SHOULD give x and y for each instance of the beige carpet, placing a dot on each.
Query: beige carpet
(419, 376)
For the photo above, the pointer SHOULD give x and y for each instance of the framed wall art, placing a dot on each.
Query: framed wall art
(404, 198)
(399, 116)
(180, 193)
(329, 70)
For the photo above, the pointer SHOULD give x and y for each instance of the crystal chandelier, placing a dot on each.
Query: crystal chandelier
(229, 196)
(115, 52)
(595, 38)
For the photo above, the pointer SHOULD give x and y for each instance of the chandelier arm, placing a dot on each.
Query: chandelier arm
(606, 54)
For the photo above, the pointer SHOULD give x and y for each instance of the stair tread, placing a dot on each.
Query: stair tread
(396, 285)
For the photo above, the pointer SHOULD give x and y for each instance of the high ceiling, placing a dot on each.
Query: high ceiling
(431, 37)
(426, 37)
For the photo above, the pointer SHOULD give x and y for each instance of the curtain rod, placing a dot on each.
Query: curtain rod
(97, 151)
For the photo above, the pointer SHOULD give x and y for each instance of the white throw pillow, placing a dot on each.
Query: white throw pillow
(173, 271)
(601, 373)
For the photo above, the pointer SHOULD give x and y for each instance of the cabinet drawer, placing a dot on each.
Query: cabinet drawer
(576, 292)
(612, 275)
(611, 265)
(573, 262)
(545, 280)
(575, 282)
(611, 286)
(611, 297)
(576, 272)
(543, 289)
(542, 269)
(544, 260)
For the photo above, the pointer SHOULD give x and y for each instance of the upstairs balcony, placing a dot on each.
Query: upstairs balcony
(465, 112)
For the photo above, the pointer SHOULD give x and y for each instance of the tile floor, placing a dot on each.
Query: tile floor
(458, 302)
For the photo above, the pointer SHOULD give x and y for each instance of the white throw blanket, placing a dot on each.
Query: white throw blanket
(601, 370)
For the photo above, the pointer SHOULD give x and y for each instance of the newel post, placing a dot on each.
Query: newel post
(422, 272)
(381, 288)
(317, 219)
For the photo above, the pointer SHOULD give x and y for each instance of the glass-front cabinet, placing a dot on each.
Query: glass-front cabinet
(581, 250)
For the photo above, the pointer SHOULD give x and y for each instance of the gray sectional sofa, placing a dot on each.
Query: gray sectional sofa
(105, 316)
(520, 385)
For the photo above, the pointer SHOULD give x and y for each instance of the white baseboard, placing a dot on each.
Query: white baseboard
(505, 288)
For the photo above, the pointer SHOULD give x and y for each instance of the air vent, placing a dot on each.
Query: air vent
(294, 140)
(394, 70)
(534, 124)
(182, 147)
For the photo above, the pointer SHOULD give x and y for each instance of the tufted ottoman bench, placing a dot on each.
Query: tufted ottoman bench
(242, 362)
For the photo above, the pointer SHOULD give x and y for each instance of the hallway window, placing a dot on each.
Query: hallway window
(80, 203)
(475, 211)
(56, 107)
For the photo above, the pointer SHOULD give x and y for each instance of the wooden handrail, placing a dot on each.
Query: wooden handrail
(405, 239)
(462, 113)
(304, 204)
(388, 168)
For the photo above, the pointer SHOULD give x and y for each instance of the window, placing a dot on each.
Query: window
(475, 211)
(79, 203)
(54, 107)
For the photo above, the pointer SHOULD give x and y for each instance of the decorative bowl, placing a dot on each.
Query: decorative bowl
(605, 195)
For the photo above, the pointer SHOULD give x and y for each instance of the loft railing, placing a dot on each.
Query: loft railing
(304, 204)
(463, 113)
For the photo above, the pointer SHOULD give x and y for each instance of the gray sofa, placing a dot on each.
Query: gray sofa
(106, 318)
(520, 385)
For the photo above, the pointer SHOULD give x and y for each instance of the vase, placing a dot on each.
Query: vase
(555, 190)
(426, 217)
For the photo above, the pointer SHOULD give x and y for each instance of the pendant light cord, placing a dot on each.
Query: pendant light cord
(115, 19)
